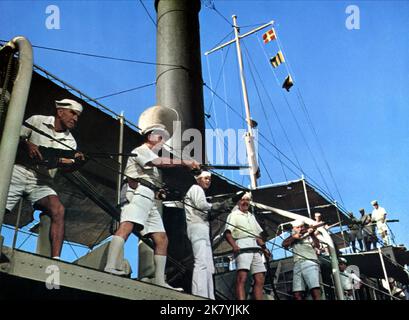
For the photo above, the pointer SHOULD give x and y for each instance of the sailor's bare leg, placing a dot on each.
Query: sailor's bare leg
(258, 286)
(298, 295)
(241, 278)
(124, 230)
(316, 294)
(160, 240)
(52, 206)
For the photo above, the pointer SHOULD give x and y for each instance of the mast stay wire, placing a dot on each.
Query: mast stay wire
(92, 55)
(210, 5)
(276, 114)
(268, 141)
(299, 128)
(305, 109)
(250, 64)
(265, 168)
(121, 92)
(312, 128)
(147, 12)
(225, 107)
(219, 77)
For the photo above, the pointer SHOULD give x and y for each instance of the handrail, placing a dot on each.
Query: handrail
(14, 119)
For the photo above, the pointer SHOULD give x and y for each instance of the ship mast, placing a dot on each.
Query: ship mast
(249, 136)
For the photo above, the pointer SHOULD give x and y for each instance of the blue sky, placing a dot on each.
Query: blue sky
(353, 82)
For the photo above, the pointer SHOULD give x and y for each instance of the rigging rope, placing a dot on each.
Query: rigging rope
(92, 55)
(251, 63)
(298, 125)
(147, 12)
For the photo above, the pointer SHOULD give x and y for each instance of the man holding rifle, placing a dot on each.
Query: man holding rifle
(243, 232)
(306, 274)
(33, 177)
(138, 197)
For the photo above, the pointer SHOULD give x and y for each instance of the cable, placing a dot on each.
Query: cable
(121, 92)
(262, 106)
(305, 109)
(103, 57)
(210, 5)
(147, 12)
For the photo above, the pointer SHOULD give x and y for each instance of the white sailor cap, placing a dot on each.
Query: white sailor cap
(297, 223)
(374, 202)
(342, 260)
(68, 104)
(247, 195)
(157, 128)
(203, 174)
(317, 214)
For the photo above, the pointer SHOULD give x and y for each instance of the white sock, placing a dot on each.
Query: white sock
(160, 264)
(56, 258)
(115, 253)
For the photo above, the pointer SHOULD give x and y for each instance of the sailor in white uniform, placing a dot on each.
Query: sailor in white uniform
(139, 209)
(198, 231)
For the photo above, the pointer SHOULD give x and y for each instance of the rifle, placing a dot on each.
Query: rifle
(161, 193)
(304, 231)
(216, 167)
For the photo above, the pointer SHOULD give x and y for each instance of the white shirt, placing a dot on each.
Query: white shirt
(243, 225)
(137, 166)
(196, 206)
(348, 279)
(47, 125)
(378, 214)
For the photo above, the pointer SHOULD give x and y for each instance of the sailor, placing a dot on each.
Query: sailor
(348, 279)
(355, 232)
(395, 290)
(379, 216)
(198, 212)
(243, 231)
(139, 209)
(306, 273)
(320, 222)
(367, 230)
(32, 179)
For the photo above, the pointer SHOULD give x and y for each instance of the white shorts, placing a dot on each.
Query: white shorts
(141, 209)
(381, 226)
(25, 182)
(252, 261)
(306, 274)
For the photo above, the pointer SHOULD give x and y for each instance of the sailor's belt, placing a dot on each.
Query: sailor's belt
(160, 193)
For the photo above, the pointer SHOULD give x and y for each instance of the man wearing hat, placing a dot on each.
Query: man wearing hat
(31, 178)
(139, 209)
(306, 273)
(379, 216)
(355, 233)
(198, 231)
(348, 279)
(243, 231)
(367, 230)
